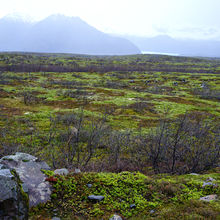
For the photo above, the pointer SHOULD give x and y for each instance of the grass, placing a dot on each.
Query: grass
(91, 89)
(135, 91)
(154, 197)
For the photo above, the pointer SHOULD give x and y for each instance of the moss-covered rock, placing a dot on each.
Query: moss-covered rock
(13, 200)
(29, 171)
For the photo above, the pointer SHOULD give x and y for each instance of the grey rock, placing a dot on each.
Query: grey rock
(13, 202)
(77, 171)
(115, 217)
(194, 174)
(25, 188)
(19, 157)
(208, 184)
(62, 171)
(89, 185)
(152, 211)
(210, 179)
(56, 218)
(209, 198)
(132, 206)
(6, 173)
(203, 85)
(147, 81)
(96, 198)
(30, 173)
(44, 165)
(2, 166)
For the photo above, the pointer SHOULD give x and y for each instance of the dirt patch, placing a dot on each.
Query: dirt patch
(63, 104)
(109, 92)
(141, 107)
(4, 94)
(148, 123)
(184, 101)
(7, 111)
(110, 108)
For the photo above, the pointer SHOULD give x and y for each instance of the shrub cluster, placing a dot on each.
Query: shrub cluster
(188, 144)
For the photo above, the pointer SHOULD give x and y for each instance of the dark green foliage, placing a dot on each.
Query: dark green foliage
(41, 109)
(170, 197)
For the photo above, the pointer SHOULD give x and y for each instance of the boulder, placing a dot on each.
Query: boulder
(132, 206)
(62, 171)
(19, 157)
(77, 170)
(89, 185)
(29, 171)
(210, 179)
(13, 200)
(2, 166)
(96, 198)
(115, 217)
(208, 184)
(209, 198)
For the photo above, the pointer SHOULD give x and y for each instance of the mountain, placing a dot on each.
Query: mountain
(60, 34)
(12, 34)
(167, 44)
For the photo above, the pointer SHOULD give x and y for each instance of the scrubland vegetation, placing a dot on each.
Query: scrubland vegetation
(141, 113)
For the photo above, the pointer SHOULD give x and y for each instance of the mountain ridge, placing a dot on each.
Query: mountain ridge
(60, 34)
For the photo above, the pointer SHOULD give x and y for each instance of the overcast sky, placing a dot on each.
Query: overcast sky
(198, 19)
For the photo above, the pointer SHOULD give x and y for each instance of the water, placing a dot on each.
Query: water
(152, 52)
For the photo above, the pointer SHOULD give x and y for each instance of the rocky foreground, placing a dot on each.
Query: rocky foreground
(31, 190)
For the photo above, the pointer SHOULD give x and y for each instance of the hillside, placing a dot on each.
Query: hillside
(60, 34)
(143, 130)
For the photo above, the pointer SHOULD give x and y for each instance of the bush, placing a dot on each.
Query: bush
(189, 144)
(206, 92)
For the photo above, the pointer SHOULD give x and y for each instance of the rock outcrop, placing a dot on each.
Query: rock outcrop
(29, 171)
(13, 200)
(209, 198)
(115, 217)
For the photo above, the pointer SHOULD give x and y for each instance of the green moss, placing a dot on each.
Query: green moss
(161, 193)
(25, 197)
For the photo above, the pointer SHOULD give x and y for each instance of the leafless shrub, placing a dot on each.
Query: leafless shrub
(78, 93)
(30, 98)
(206, 92)
(188, 144)
(141, 106)
(76, 139)
(115, 84)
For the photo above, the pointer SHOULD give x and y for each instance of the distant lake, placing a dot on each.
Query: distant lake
(151, 52)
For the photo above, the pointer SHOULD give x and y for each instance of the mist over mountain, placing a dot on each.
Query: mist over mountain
(60, 34)
(167, 44)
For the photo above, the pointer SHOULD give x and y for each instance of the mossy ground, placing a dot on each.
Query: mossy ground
(118, 91)
(155, 197)
(135, 97)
